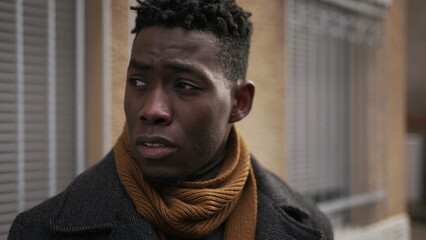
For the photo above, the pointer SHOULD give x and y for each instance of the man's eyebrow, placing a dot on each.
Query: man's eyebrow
(187, 68)
(177, 66)
(140, 65)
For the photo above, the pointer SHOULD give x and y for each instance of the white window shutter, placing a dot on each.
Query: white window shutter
(332, 54)
(37, 103)
(36, 95)
(8, 119)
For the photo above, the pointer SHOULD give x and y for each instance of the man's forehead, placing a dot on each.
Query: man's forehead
(174, 38)
(175, 45)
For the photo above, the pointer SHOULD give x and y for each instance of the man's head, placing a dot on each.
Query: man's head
(224, 18)
(181, 95)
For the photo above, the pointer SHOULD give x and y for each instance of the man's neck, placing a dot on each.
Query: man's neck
(209, 171)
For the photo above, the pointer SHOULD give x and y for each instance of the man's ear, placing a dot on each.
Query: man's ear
(242, 100)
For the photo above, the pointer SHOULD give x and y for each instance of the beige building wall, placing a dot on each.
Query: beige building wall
(264, 128)
(94, 83)
(396, 80)
(99, 113)
(392, 178)
(119, 60)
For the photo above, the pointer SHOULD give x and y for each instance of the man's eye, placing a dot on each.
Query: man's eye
(185, 86)
(137, 82)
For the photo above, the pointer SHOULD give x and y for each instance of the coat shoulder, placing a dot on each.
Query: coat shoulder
(295, 208)
(40, 221)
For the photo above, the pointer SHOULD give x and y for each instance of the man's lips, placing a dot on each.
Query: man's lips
(154, 147)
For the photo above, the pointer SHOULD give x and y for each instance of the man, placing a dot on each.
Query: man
(180, 169)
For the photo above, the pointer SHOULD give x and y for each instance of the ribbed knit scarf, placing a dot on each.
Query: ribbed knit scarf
(195, 209)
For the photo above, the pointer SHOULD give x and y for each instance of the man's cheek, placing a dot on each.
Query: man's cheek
(130, 109)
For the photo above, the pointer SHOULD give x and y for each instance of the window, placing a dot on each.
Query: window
(38, 141)
(336, 153)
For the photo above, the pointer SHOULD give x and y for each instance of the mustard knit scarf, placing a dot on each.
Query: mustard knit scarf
(196, 209)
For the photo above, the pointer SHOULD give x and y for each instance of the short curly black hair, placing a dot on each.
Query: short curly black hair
(224, 18)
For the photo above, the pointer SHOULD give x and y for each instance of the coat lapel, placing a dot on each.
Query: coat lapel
(274, 222)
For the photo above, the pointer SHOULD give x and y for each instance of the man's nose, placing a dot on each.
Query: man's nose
(156, 108)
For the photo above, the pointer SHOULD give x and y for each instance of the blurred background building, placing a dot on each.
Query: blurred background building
(339, 83)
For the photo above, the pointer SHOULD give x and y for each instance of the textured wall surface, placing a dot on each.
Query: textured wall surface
(396, 80)
(94, 96)
(119, 60)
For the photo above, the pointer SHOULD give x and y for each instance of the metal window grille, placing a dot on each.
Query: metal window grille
(335, 103)
(37, 103)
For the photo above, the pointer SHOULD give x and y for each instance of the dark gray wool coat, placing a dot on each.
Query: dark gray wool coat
(96, 206)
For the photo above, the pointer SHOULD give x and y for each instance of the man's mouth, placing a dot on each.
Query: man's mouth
(155, 150)
(154, 145)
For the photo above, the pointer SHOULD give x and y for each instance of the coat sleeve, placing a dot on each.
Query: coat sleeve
(15, 232)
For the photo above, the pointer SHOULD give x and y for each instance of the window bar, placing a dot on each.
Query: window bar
(383, 106)
(52, 97)
(343, 91)
(365, 122)
(80, 89)
(20, 105)
(352, 201)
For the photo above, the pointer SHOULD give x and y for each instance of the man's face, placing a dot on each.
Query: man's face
(177, 103)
